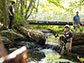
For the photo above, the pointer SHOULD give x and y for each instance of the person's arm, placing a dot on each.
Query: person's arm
(70, 44)
(79, 59)
(9, 10)
(73, 22)
(81, 22)
(61, 42)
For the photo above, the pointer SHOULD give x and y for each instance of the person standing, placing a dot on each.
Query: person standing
(66, 40)
(76, 21)
(11, 15)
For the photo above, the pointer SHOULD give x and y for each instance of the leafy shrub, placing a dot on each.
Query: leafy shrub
(18, 20)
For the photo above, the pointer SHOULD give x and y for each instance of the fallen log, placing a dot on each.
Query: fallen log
(18, 56)
(78, 49)
(78, 38)
(33, 35)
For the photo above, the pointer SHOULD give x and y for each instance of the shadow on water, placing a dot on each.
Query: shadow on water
(45, 54)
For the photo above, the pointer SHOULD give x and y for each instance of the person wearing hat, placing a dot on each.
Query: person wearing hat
(76, 21)
(66, 40)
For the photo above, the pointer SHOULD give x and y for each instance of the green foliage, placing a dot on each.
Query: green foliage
(57, 3)
(50, 7)
(54, 28)
(18, 20)
(1, 4)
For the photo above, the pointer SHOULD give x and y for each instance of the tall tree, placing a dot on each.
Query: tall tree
(5, 12)
(22, 5)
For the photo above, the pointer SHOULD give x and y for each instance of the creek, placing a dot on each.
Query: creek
(45, 54)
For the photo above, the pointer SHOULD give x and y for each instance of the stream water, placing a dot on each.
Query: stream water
(45, 54)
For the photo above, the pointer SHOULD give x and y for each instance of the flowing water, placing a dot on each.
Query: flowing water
(45, 54)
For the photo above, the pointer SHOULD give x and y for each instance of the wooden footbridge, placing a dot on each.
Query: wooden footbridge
(51, 19)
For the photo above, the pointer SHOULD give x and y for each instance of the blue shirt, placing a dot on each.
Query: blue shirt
(76, 20)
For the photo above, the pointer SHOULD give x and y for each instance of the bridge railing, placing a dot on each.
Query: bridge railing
(52, 17)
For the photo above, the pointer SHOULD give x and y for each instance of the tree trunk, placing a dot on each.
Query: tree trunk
(22, 7)
(37, 6)
(33, 35)
(17, 5)
(5, 13)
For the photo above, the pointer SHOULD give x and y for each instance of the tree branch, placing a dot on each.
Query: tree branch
(28, 8)
(31, 11)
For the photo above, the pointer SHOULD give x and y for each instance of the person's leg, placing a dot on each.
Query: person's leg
(79, 28)
(11, 22)
(62, 51)
(75, 26)
(67, 47)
